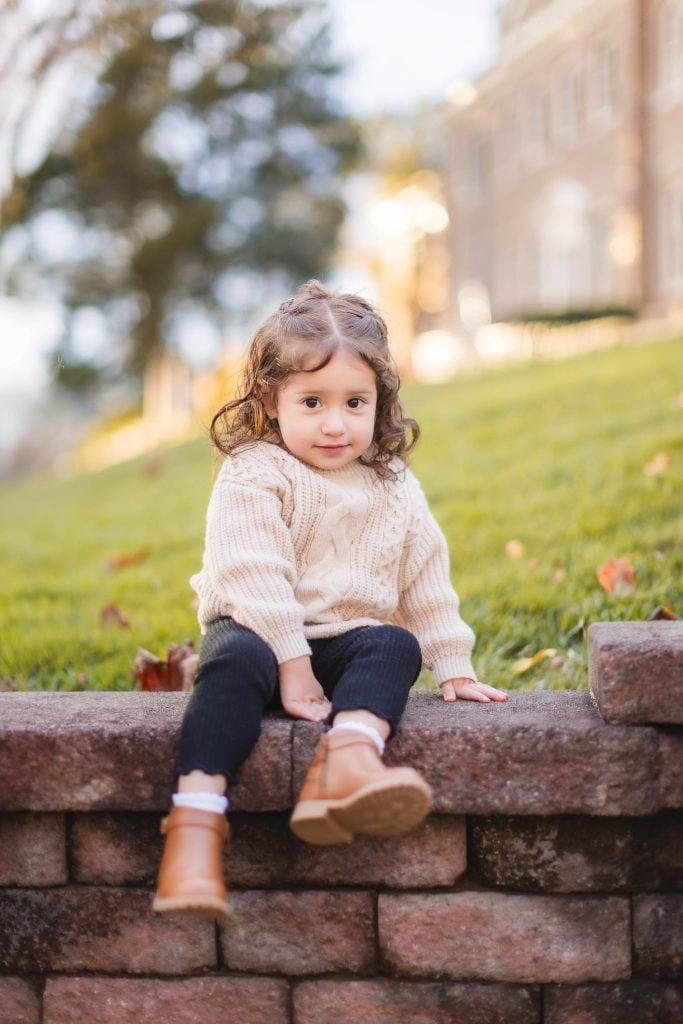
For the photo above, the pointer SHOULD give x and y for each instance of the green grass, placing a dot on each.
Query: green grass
(549, 455)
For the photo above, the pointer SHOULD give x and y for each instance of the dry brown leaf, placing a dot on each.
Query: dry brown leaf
(662, 612)
(658, 464)
(111, 615)
(125, 560)
(155, 466)
(515, 549)
(617, 576)
(176, 673)
(6, 685)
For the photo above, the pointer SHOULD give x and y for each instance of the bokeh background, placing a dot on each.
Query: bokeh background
(503, 179)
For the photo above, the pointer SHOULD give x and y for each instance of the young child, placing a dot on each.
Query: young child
(317, 537)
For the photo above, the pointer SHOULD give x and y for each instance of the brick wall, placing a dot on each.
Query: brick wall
(546, 887)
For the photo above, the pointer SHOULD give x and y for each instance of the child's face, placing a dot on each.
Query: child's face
(327, 417)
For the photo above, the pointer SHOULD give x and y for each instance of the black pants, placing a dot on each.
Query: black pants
(372, 667)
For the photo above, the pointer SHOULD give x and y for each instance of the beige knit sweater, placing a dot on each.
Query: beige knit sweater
(297, 553)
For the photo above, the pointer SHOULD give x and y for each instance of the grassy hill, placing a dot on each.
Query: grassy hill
(559, 459)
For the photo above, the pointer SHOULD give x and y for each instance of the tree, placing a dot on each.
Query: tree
(207, 148)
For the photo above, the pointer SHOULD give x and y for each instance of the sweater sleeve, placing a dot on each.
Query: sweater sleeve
(428, 604)
(249, 559)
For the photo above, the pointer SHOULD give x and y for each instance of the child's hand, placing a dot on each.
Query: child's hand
(467, 689)
(301, 694)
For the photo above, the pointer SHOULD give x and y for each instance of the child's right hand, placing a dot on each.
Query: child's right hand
(301, 694)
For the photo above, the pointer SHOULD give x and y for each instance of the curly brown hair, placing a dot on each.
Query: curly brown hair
(313, 325)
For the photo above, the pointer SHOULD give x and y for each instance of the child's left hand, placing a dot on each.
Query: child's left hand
(467, 689)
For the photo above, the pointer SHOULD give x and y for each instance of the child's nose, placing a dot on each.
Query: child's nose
(334, 424)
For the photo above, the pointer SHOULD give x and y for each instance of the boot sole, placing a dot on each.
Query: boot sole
(211, 907)
(378, 809)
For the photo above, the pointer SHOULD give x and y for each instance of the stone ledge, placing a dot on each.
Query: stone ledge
(635, 670)
(116, 752)
(539, 753)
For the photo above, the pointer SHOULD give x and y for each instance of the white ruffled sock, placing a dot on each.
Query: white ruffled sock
(202, 801)
(368, 730)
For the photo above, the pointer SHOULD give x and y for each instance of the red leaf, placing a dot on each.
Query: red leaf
(617, 576)
(123, 561)
(177, 673)
(111, 615)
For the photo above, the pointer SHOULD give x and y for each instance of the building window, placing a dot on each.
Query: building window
(569, 105)
(671, 44)
(506, 143)
(477, 167)
(599, 263)
(606, 81)
(526, 275)
(671, 240)
(536, 121)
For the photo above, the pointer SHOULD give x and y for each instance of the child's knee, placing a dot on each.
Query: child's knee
(401, 644)
(230, 649)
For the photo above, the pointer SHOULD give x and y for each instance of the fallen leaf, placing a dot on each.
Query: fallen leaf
(155, 466)
(617, 576)
(111, 615)
(183, 662)
(176, 673)
(6, 685)
(123, 561)
(514, 549)
(524, 664)
(662, 612)
(657, 465)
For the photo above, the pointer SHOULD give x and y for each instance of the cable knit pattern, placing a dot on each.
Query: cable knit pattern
(297, 553)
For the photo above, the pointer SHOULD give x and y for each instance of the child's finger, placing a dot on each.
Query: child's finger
(448, 691)
(471, 694)
(494, 694)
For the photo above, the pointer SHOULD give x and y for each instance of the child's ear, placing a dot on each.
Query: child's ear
(270, 406)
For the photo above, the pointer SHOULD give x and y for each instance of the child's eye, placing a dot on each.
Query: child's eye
(311, 403)
(356, 403)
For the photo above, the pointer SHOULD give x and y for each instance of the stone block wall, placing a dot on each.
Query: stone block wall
(546, 888)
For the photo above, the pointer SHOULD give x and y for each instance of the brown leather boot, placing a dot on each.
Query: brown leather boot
(191, 873)
(349, 791)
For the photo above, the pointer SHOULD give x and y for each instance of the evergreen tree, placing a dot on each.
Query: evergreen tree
(207, 148)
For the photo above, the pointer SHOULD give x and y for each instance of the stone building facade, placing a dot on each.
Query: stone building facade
(566, 172)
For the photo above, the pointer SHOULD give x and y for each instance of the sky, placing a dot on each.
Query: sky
(399, 55)
(403, 53)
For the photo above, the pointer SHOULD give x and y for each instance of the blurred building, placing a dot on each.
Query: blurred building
(566, 171)
(395, 245)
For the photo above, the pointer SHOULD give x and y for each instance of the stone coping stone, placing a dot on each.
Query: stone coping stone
(635, 671)
(538, 753)
(117, 751)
